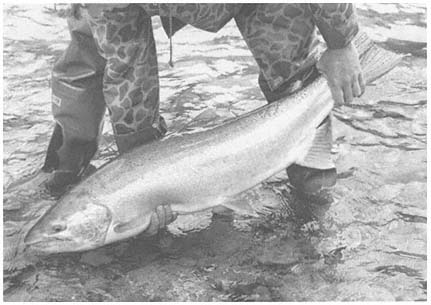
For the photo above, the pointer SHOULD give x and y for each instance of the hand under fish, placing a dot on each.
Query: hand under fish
(161, 217)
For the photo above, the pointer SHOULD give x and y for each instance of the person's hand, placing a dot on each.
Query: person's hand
(343, 72)
(160, 218)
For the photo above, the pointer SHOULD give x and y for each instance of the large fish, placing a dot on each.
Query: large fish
(193, 172)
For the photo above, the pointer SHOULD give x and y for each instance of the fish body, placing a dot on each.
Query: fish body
(193, 172)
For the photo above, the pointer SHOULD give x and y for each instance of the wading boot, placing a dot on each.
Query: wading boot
(310, 181)
(66, 160)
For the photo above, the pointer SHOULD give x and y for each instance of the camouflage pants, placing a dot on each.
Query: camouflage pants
(112, 61)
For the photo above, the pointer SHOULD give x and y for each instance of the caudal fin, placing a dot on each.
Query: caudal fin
(375, 61)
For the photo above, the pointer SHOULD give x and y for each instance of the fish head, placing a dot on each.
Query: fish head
(77, 222)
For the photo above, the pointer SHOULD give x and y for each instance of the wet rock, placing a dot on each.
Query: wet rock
(96, 258)
(262, 294)
(366, 292)
(282, 256)
(119, 249)
(21, 294)
(10, 228)
(219, 285)
(208, 268)
(310, 227)
(11, 204)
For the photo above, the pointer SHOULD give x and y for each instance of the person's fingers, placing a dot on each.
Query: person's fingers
(337, 95)
(361, 83)
(174, 216)
(356, 88)
(165, 215)
(170, 216)
(154, 225)
(161, 214)
(347, 93)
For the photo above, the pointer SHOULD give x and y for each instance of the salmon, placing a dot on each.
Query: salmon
(195, 171)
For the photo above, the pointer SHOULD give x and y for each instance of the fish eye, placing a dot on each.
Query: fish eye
(58, 227)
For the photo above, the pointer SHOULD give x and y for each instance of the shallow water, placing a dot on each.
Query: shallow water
(368, 243)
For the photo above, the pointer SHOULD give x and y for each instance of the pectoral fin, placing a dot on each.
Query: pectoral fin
(239, 204)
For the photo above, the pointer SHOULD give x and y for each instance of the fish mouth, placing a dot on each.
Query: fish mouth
(47, 240)
(48, 245)
(34, 237)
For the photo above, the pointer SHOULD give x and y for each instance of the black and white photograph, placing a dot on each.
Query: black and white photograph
(214, 152)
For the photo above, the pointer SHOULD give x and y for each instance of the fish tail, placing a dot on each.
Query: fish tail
(375, 61)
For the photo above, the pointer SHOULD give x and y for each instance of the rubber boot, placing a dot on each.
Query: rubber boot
(66, 160)
(78, 107)
(311, 180)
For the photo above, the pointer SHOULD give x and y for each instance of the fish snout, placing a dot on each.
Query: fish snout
(32, 237)
(38, 235)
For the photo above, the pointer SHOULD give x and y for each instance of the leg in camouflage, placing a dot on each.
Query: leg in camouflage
(281, 37)
(131, 82)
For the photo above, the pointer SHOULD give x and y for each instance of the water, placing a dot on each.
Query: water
(369, 244)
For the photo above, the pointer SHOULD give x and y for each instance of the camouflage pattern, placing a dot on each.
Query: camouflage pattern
(204, 16)
(336, 21)
(124, 37)
(281, 36)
